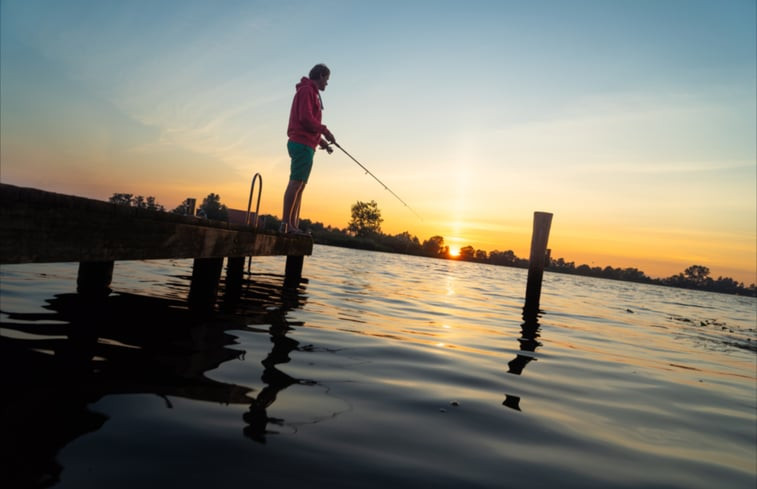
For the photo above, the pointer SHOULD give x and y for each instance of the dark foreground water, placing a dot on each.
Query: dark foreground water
(380, 371)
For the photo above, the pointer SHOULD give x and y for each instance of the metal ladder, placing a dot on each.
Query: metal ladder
(249, 202)
(257, 176)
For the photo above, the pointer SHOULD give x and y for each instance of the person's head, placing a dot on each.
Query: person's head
(320, 75)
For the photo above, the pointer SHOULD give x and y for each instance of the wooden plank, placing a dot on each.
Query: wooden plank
(38, 226)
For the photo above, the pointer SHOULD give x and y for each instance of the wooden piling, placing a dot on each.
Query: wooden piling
(206, 273)
(234, 278)
(293, 270)
(537, 262)
(234, 270)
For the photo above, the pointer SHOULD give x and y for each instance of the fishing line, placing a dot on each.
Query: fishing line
(379, 181)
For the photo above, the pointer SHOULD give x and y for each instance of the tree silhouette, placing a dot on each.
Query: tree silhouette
(697, 274)
(366, 219)
(121, 199)
(185, 208)
(434, 246)
(136, 201)
(213, 209)
(467, 253)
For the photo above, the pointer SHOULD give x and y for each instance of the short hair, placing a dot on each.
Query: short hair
(318, 71)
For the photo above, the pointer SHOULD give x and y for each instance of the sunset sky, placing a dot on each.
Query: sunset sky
(632, 121)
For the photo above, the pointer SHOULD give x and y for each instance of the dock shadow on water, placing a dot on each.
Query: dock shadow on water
(58, 363)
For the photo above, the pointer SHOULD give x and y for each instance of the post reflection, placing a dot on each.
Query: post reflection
(528, 343)
(58, 362)
(257, 417)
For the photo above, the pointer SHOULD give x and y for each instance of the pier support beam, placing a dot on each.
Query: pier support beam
(234, 278)
(293, 270)
(537, 262)
(94, 278)
(234, 271)
(206, 274)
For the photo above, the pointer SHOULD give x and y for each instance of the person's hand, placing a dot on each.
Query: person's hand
(330, 137)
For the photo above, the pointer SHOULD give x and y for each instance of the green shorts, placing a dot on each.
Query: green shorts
(302, 161)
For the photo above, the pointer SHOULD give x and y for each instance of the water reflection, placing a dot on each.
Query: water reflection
(530, 332)
(59, 362)
(256, 417)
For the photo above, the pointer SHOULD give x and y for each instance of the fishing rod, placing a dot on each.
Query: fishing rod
(376, 178)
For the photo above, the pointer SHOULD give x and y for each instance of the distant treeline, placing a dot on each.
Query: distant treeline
(694, 277)
(364, 232)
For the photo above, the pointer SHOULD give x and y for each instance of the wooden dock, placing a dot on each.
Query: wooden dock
(37, 226)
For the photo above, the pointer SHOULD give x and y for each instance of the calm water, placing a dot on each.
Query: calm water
(380, 370)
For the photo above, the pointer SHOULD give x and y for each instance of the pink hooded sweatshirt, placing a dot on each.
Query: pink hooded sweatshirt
(305, 118)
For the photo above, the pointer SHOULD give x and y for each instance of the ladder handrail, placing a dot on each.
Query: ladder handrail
(249, 202)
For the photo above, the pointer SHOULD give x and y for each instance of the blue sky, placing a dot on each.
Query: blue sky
(632, 121)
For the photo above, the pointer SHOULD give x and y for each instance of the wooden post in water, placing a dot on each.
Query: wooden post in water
(293, 270)
(537, 262)
(94, 278)
(234, 275)
(206, 272)
(234, 270)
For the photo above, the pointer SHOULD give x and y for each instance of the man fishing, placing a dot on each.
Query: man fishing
(304, 131)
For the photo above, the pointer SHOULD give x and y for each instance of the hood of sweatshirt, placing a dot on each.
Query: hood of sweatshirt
(306, 82)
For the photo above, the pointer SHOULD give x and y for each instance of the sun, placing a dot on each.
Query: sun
(454, 251)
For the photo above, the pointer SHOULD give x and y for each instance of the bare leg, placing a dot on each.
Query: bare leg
(292, 198)
(296, 208)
